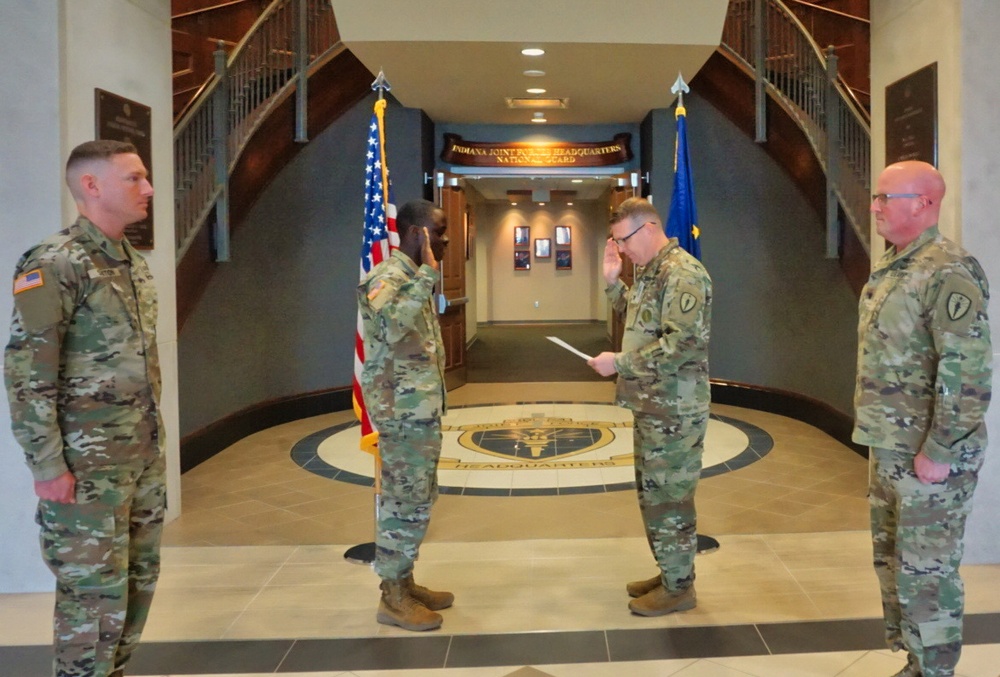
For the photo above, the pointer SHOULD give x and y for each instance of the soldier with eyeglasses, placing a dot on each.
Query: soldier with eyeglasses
(923, 387)
(662, 374)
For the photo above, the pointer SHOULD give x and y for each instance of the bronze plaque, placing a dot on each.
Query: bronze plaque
(119, 119)
(911, 117)
(518, 154)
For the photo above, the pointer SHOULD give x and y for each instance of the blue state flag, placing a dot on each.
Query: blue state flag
(683, 221)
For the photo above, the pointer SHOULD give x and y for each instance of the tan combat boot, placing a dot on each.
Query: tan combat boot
(659, 601)
(640, 588)
(398, 607)
(433, 600)
(912, 669)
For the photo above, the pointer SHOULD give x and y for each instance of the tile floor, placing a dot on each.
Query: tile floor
(254, 580)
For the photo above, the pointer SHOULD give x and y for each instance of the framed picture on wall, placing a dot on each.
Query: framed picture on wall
(564, 259)
(521, 235)
(543, 248)
(564, 235)
(522, 259)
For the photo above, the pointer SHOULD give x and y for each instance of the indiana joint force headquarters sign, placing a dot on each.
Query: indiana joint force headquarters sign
(520, 154)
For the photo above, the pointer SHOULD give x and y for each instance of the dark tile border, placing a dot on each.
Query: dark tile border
(367, 653)
(473, 651)
(433, 650)
(203, 444)
(833, 422)
(305, 453)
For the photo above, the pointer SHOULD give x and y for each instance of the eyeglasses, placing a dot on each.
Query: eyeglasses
(882, 198)
(622, 240)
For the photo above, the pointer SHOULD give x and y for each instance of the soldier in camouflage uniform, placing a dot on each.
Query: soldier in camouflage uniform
(663, 378)
(403, 385)
(923, 387)
(83, 380)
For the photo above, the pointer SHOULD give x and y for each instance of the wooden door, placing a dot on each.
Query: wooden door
(617, 325)
(451, 198)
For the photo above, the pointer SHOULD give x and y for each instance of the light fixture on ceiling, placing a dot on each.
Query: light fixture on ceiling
(539, 117)
(577, 181)
(529, 102)
(532, 51)
(569, 204)
(534, 73)
(535, 90)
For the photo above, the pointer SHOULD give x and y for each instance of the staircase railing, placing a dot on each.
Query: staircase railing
(272, 60)
(766, 39)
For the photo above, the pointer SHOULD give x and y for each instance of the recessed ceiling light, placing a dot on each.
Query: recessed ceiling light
(536, 102)
(569, 204)
(539, 117)
(541, 204)
(535, 90)
(532, 51)
(513, 204)
(577, 181)
(534, 73)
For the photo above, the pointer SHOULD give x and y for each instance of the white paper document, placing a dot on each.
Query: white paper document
(560, 342)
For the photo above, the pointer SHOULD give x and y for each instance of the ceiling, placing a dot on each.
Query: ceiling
(611, 60)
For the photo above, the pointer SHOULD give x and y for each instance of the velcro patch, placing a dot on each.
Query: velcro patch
(29, 280)
(376, 288)
(959, 303)
(688, 299)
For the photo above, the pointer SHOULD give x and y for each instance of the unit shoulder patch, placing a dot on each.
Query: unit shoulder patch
(958, 306)
(688, 299)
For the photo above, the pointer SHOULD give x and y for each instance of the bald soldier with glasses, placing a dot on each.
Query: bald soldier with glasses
(923, 387)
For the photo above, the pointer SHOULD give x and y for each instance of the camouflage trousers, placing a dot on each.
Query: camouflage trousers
(105, 553)
(917, 532)
(668, 455)
(409, 451)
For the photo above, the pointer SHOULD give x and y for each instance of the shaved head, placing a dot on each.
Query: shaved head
(907, 201)
(915, 176)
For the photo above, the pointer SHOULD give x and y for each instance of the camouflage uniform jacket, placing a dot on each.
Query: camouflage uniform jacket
(403, 374)
(81, 367)
(663, 365)
(924, 355)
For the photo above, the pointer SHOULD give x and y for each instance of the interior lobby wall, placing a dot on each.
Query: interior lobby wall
(783, 316)
(961, 38)
(542, 293)
(280, 318)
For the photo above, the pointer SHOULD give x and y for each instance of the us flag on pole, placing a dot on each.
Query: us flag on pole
(380, 238)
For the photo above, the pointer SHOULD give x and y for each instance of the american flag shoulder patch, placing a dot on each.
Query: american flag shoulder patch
(29, 280)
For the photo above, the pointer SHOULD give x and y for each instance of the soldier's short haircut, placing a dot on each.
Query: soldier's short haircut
(414, 213)
(635, 207)
(102, 149)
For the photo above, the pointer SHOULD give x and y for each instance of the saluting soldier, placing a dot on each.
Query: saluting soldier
(403, 385)
(83, 380)
(923, 387)
(663, 378)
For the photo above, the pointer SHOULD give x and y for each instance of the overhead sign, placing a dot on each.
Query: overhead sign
(457, 151)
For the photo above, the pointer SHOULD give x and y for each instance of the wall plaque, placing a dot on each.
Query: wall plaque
(522, 154)
(119, 119)
(911, 117)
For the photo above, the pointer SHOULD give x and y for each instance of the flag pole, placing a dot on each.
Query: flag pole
(364, 553)
(706, 544)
